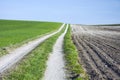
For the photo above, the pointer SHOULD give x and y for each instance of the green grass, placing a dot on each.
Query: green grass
(12, 32)
(32, 67)
(18, 32)
(71, 56)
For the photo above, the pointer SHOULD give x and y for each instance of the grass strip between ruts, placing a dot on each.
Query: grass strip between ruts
(33, 66)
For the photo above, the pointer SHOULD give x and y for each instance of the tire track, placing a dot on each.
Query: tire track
(16, 55)
(55, 64)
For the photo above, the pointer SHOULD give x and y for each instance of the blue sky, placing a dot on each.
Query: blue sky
(69, 11)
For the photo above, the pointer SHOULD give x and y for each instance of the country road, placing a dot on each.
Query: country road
(14, 56)
(56, 65)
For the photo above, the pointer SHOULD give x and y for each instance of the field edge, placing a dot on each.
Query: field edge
(73, 68)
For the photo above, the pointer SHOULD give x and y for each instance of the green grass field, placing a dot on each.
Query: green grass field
(32, 67)
(13, 32)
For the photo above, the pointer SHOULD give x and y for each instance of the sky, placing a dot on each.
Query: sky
(68, 11)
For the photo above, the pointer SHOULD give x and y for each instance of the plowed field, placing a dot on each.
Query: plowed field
(99, 50)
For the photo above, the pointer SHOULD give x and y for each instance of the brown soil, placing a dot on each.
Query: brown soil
(99, 51)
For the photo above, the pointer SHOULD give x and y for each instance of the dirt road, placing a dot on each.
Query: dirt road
(55, 64)
(13, 57)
